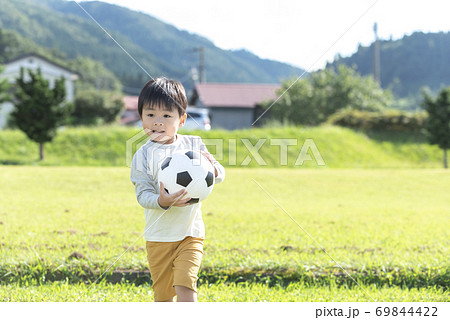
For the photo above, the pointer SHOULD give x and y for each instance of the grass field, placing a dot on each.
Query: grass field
(389, 229)
(231, 292)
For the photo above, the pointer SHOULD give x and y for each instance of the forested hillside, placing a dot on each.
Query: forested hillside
(92, 73)
(160, 48)
(415, 61)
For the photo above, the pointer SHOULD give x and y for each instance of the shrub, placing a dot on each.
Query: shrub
(96, 107)
(391, 120)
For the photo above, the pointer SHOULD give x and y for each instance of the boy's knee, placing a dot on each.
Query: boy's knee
(185, 294)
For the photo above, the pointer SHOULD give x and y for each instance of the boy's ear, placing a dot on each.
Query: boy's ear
(183, 120)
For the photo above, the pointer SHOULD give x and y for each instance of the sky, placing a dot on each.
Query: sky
(305, 34)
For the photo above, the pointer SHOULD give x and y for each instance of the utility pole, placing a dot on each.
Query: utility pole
(376, 56)
(201, 50)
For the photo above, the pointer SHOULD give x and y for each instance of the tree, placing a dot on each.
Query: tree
(39, 109)
(313, 99)
(438, 122)
(94, 75)
(8, 45)
(4, 89)
(93, 107)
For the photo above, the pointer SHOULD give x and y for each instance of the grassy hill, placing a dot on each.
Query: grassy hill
(160, 48)
(339, 147)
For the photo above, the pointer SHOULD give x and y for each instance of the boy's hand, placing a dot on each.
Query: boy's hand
(167, 200)
(209, 157)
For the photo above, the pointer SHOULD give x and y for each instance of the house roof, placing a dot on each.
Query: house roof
(32, 54)
(131, 102)
(244, 95)
(131, 114)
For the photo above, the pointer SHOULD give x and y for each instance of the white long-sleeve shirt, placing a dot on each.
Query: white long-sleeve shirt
(175, 223)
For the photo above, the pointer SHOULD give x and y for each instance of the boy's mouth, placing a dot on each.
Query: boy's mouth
(158, 131)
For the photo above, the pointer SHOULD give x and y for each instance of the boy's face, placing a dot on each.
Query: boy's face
(161, 125)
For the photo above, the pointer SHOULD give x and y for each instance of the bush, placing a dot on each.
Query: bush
(391, 120)
(96, 107)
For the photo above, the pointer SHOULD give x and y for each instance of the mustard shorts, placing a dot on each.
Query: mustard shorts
(174, 264)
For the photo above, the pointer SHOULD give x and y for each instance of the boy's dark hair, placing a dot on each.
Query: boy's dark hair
(163, 93)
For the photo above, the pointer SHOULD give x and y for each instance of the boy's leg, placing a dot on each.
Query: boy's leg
(160, 257)
(188, 258)
(185, 294)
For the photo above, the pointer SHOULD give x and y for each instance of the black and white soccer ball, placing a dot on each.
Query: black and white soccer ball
(188, 170)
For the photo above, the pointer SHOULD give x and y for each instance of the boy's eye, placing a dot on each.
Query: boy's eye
(150, 115)
(167, 116)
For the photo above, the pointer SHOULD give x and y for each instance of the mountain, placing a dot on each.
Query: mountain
(159, 48)
(415, 61)
(92, 73)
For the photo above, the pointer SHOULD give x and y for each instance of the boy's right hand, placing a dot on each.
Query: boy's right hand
(167, 200)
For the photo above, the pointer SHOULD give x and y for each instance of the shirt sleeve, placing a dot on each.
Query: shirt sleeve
(220, 169)
(147, 191)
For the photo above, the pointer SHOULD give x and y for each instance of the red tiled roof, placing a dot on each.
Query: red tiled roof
(131, 102)
(235, 94)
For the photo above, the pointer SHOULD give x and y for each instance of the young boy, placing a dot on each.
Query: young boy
(174, 229)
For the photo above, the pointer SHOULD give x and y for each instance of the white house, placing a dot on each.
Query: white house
(50, 71)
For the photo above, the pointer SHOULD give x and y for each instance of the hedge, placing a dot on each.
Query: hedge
(392, 120)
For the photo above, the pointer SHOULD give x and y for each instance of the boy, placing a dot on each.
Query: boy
(174, 229)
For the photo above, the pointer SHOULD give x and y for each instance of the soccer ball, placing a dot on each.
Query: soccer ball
(188, 170)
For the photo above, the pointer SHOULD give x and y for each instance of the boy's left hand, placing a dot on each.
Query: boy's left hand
(210, 158)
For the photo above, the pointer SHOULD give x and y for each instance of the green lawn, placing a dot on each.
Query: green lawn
(388, 228)
(241, 292)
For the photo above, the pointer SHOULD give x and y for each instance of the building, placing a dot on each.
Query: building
(50, 71)
(130, 116)
(232, 105)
